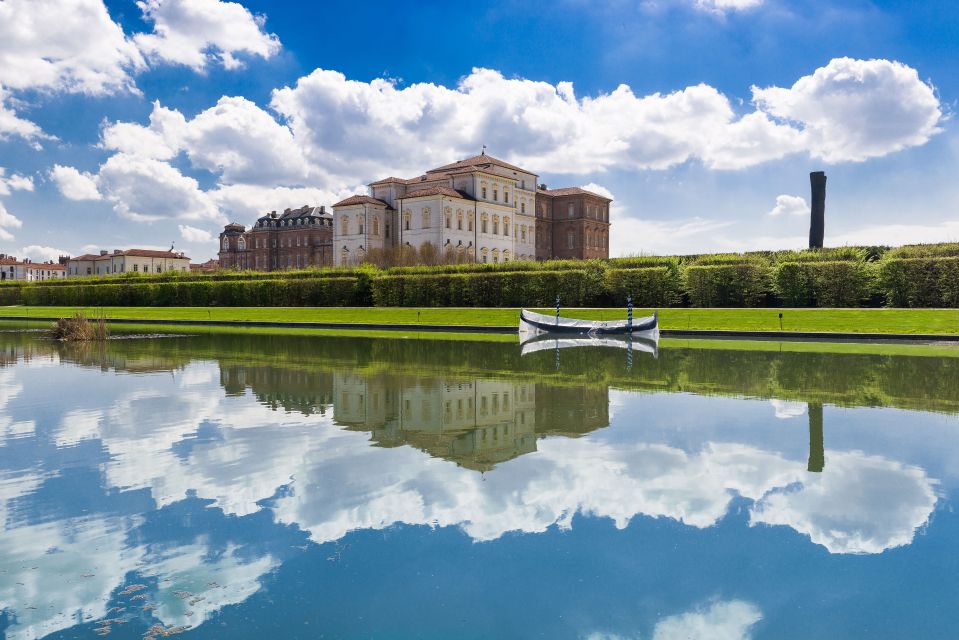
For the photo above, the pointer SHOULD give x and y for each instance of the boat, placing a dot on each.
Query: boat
(533, 324)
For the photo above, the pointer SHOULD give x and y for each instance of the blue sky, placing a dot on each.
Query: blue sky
(144, 124)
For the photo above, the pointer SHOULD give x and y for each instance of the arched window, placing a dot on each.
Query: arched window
(226, 243)
(484, 252)
(459, 219)
(495, 225)
(470, 222)
(406, 221)
(506, 255)
(495, 255)
(241, 243)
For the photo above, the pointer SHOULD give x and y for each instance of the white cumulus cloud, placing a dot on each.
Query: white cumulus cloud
(728, 620)
(851, 110)
(193, 234)
(75, 184)
(196, 33)
(40, 253)
(722, 6)
(790, 206)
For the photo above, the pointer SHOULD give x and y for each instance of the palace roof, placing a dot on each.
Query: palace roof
(438, 191)
(572, 191)
(359, 199)
(481, 160)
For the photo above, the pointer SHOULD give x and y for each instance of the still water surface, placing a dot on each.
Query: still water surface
(240, 486)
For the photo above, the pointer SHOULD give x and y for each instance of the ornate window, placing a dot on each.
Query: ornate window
(505, 196)
(459, 219)
(449, 219)
(469, 222)
(506, 226)
(226, 243)
(241, 243)
(484, 223)
(522, 233)
(495, 225)
(522, 207)
(495, 194)
(484, 252)
(483, 191)
(495, 255)
(426, 218)
(506, 255)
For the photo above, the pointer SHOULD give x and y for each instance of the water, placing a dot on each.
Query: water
(251, 486)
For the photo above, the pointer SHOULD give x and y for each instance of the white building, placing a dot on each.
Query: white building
(28, 271)
(481, 207)
(127, 261)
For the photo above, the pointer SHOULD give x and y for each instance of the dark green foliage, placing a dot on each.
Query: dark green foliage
(649, 287)
(504, 289)
(920, 282)
(728, 285)
(822, 284)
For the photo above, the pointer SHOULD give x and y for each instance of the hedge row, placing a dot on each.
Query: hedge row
(717, 282)
(252, 293)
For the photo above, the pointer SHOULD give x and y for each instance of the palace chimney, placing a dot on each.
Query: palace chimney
(817, 223)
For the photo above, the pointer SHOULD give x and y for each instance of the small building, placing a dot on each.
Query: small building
(29, 271)
(127, 261)
(571, 223)
(205, 267)
(294, 239)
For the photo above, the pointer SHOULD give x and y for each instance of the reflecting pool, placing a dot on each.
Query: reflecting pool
(283, 486)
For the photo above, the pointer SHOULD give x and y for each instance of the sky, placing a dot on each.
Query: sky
(153, 123)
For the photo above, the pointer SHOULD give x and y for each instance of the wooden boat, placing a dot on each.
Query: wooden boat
(532, 324)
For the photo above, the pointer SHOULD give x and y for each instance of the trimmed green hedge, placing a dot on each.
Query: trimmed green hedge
(649, 287)
(822, 284)
(728, 285)
(920, 282)
(504, 289)
(325, 292)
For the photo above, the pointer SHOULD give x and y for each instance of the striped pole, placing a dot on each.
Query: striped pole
(557, 309)
(629, 313)
(629, 354)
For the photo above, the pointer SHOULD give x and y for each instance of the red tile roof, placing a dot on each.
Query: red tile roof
(477, 161)
(438, 191)
(360, 200)
(137, 253)
(391, 179)
(571, 191)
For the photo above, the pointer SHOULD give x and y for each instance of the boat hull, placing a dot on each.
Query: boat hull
(532, 324)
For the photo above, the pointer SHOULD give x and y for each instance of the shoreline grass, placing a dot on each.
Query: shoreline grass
(906, 321)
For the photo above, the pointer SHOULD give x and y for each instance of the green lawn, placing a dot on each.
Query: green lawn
(933, 321)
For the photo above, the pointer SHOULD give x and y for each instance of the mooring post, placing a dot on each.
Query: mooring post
(557, 309)
(817, 222)
(629, 313)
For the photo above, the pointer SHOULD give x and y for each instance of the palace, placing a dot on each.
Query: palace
(480, 209)
(296, 238)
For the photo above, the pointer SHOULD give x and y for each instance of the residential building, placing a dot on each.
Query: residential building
(29, 271)
(127, 261)
(294, 239)
(481, 209)
(205, 267)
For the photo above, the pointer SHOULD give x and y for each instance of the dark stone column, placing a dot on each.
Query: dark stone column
(817, 224)
(817, 450)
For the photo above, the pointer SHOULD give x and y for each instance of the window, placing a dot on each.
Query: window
(495, 225)
(344, 227)
(571, 240)
(241, 243)
(136, 267)
(495, 193)
(159, 269)
(387, 230)
(359, 224)
(459, 220)
(505, 226)
(226, 244)
(470, 222)
(506, 197)
(522, 233)
(376, 226)
(449, 220)
(522, 207)
(426, 218)
(483, 224)
(297, 240)
(571, 210)
(484, 193)
(587, 240)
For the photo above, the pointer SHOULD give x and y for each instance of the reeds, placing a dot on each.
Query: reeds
(79, 328)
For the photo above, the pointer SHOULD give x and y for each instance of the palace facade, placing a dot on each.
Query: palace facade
(481, 208)
(127, 261)
(296, 238)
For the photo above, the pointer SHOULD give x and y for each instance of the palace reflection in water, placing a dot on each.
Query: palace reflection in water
(245, 485)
